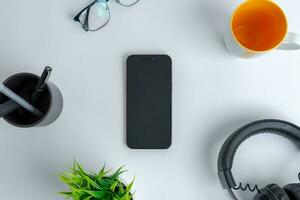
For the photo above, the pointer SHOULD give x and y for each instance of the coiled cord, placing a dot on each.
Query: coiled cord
(248, 187)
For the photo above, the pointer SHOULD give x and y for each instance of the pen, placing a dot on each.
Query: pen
(39, 88)
(19, 100)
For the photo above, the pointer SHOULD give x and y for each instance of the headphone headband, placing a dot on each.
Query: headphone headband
(228, 150)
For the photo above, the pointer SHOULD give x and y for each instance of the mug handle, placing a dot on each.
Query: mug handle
(291, 42)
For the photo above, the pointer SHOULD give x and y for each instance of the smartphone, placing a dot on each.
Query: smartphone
(149, 102)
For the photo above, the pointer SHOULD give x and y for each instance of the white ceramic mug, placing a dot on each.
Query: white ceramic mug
(257, 27)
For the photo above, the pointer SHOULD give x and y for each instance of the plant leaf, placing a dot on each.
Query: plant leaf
(103, 185)
(96, 194)
(113, 187)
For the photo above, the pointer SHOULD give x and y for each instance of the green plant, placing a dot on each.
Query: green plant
(92, 186)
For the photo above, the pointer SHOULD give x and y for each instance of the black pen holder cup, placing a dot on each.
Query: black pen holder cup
(50, 102)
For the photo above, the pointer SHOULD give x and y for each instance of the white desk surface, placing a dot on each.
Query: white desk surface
(214, 93)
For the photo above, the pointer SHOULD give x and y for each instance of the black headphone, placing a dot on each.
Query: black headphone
(228, 150)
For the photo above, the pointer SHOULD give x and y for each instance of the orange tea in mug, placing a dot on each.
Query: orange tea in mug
(256, 26)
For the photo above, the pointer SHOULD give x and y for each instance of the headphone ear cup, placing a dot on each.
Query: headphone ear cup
(260, 196)
(272, 192)
(293, 191)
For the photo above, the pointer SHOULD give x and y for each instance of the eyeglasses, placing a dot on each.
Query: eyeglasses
(96, 15)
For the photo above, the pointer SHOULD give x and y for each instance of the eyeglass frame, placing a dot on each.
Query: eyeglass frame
(85, 24)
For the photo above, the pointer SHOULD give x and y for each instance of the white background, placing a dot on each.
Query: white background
(214, 93)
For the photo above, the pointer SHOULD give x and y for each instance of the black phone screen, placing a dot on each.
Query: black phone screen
(149, 101)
